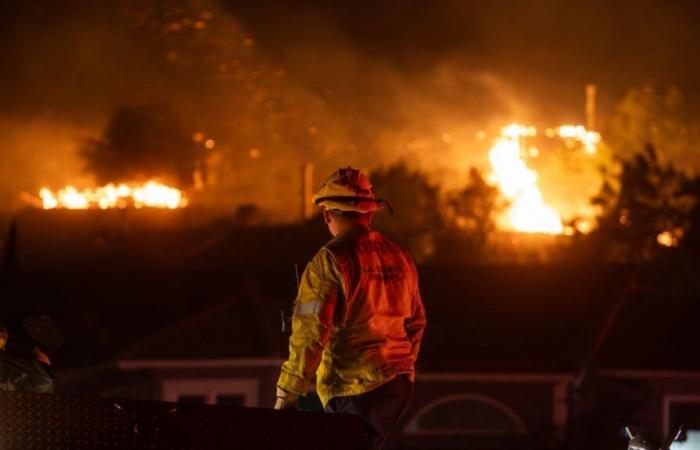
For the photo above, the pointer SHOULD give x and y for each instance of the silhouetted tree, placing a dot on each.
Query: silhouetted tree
(141, 142)
(690, 244)
(474, 208)
(470, 218)
(648, 198)
(649, 116)
(416, 203)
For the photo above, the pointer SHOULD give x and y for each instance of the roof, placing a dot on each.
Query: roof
(524, 319)
(547, 319)
(224, 302)
(244, 325)
(152, 239)
(106, 313)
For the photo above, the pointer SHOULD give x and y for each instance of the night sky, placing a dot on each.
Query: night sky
(547, 49)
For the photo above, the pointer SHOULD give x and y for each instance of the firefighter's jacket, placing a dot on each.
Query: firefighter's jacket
(358, 319)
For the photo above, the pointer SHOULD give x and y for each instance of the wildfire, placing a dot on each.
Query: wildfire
(529, 212)
(578, 133)
(151, 194)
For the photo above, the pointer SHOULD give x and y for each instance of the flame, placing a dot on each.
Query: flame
(151, 194)
(528, 212)
(589, 139)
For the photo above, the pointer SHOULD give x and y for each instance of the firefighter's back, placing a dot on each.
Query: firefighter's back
(380, 287)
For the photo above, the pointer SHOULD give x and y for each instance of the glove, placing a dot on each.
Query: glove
(285, 400)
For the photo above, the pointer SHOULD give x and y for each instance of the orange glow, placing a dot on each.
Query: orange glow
(150, 194)
(515, 131)
(528, 212)
(589, 139)
(584, 226)
(667, 239)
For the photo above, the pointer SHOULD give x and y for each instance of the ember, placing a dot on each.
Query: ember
(668, 238)
(151, 194)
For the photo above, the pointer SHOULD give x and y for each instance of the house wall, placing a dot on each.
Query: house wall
(165, 374)
(265, 377)
(540, 402)
(659, 391)
(533, 399)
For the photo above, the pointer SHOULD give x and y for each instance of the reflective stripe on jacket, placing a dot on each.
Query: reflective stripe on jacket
(358, 319)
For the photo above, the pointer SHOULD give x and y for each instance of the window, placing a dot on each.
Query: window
(465, 414)
(211, 391)
(681, 409)
(691, 442)
(230, 400)
(192, 399)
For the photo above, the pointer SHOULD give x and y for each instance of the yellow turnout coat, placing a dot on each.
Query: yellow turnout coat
(358, 319)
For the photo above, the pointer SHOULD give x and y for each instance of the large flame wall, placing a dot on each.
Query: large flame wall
(150, 194)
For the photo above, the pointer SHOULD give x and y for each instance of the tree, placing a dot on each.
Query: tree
(471, 215)
(690, 244)
(416, 203)
(646, 208)
(474, 208)
(142, 142)
(646, 116)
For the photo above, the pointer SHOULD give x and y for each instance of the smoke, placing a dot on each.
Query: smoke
(35, 153)
(143, 143)
(360, 83)
(548, 48)
(329, 104)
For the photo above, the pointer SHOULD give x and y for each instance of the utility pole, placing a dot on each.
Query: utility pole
(591, 91)
(307, 185)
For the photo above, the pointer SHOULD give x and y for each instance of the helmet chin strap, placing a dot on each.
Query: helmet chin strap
(386, 204)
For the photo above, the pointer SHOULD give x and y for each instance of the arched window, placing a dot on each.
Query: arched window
(466, 414)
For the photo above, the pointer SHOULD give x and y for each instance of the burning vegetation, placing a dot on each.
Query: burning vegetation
(138, 142)
(146, 195)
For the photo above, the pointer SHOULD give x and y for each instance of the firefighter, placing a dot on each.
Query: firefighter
(358, 318)
(25, 344)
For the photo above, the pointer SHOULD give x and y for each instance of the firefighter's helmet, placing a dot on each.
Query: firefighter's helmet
(349, 189)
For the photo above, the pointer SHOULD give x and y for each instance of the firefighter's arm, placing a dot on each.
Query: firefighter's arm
(416, 323)
(312, 324)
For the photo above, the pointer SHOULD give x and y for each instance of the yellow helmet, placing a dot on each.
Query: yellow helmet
(349, 190)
